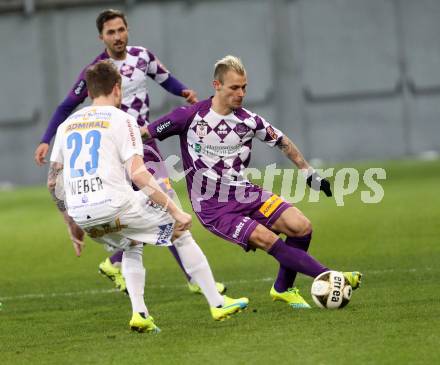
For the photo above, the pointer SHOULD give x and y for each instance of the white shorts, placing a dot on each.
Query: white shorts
(141, 222)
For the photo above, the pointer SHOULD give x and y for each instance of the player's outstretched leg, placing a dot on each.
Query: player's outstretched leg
(196, 265)
(192, 285)
(296, 259)
(300, 261)
(283, 289)
(134, 274)
(111, 268)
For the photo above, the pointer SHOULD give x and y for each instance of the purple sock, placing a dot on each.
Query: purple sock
(295, 259)
(286, 277)
(302, 243)
(176, 256)
(116, 257)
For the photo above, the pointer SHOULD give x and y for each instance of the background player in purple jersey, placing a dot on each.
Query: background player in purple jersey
(216, 139)
(135, 64)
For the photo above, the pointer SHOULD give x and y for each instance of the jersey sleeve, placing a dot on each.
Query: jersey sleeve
(75, 97)
(156, 70)
(128, 138)
(173, 86)
(267, 133)
(57, 150)
(171, 124)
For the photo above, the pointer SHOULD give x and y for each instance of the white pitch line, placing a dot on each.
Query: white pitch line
(108, 291)
(240, 281)
(53, 295)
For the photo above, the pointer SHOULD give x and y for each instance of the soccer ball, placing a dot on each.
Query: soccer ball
(331, 290)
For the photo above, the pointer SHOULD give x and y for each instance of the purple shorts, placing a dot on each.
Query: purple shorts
(235, 221)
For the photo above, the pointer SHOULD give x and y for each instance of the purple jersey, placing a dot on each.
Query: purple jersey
(216, 148)
(138, 65)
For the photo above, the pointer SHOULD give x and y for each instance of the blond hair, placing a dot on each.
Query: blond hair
(226, 64)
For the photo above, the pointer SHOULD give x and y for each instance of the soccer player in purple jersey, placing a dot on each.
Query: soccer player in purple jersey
(136, 65)
(216, 138)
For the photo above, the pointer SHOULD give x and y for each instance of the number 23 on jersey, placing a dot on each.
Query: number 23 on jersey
(88, 145)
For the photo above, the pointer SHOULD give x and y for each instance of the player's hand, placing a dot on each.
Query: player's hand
(317, 183)
(40, 153)
(183, 220)
(145, 135)
(76, 235)
(190, 96)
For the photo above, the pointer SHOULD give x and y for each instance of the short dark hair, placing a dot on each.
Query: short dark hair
(107, 15)
(101, 78)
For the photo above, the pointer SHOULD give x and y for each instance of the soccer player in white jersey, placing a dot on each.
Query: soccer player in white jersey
(136, 65)
(216, 138)
(99, 145)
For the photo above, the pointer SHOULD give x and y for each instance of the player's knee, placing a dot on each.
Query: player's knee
(299, 227)
(262, 238)
(132, 260)
(305, 227)
(134, 251)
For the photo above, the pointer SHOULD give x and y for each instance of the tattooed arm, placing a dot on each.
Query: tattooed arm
(76, 233)
(293, 153)
(55, 169)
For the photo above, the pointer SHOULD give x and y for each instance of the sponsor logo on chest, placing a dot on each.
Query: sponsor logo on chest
(222, 129)
(202, 128)
(241, 129)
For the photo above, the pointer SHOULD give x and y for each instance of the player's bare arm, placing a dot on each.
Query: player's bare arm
(292, 152)
(55, 169)
(314, 181)
(148, 184)
(76, 233)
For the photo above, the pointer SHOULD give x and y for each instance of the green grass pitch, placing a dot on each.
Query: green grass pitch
(56, 309)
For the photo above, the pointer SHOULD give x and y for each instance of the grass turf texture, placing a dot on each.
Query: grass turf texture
(393, 319)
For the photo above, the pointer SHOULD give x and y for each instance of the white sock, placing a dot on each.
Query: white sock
(196, 265)
(134, 274)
